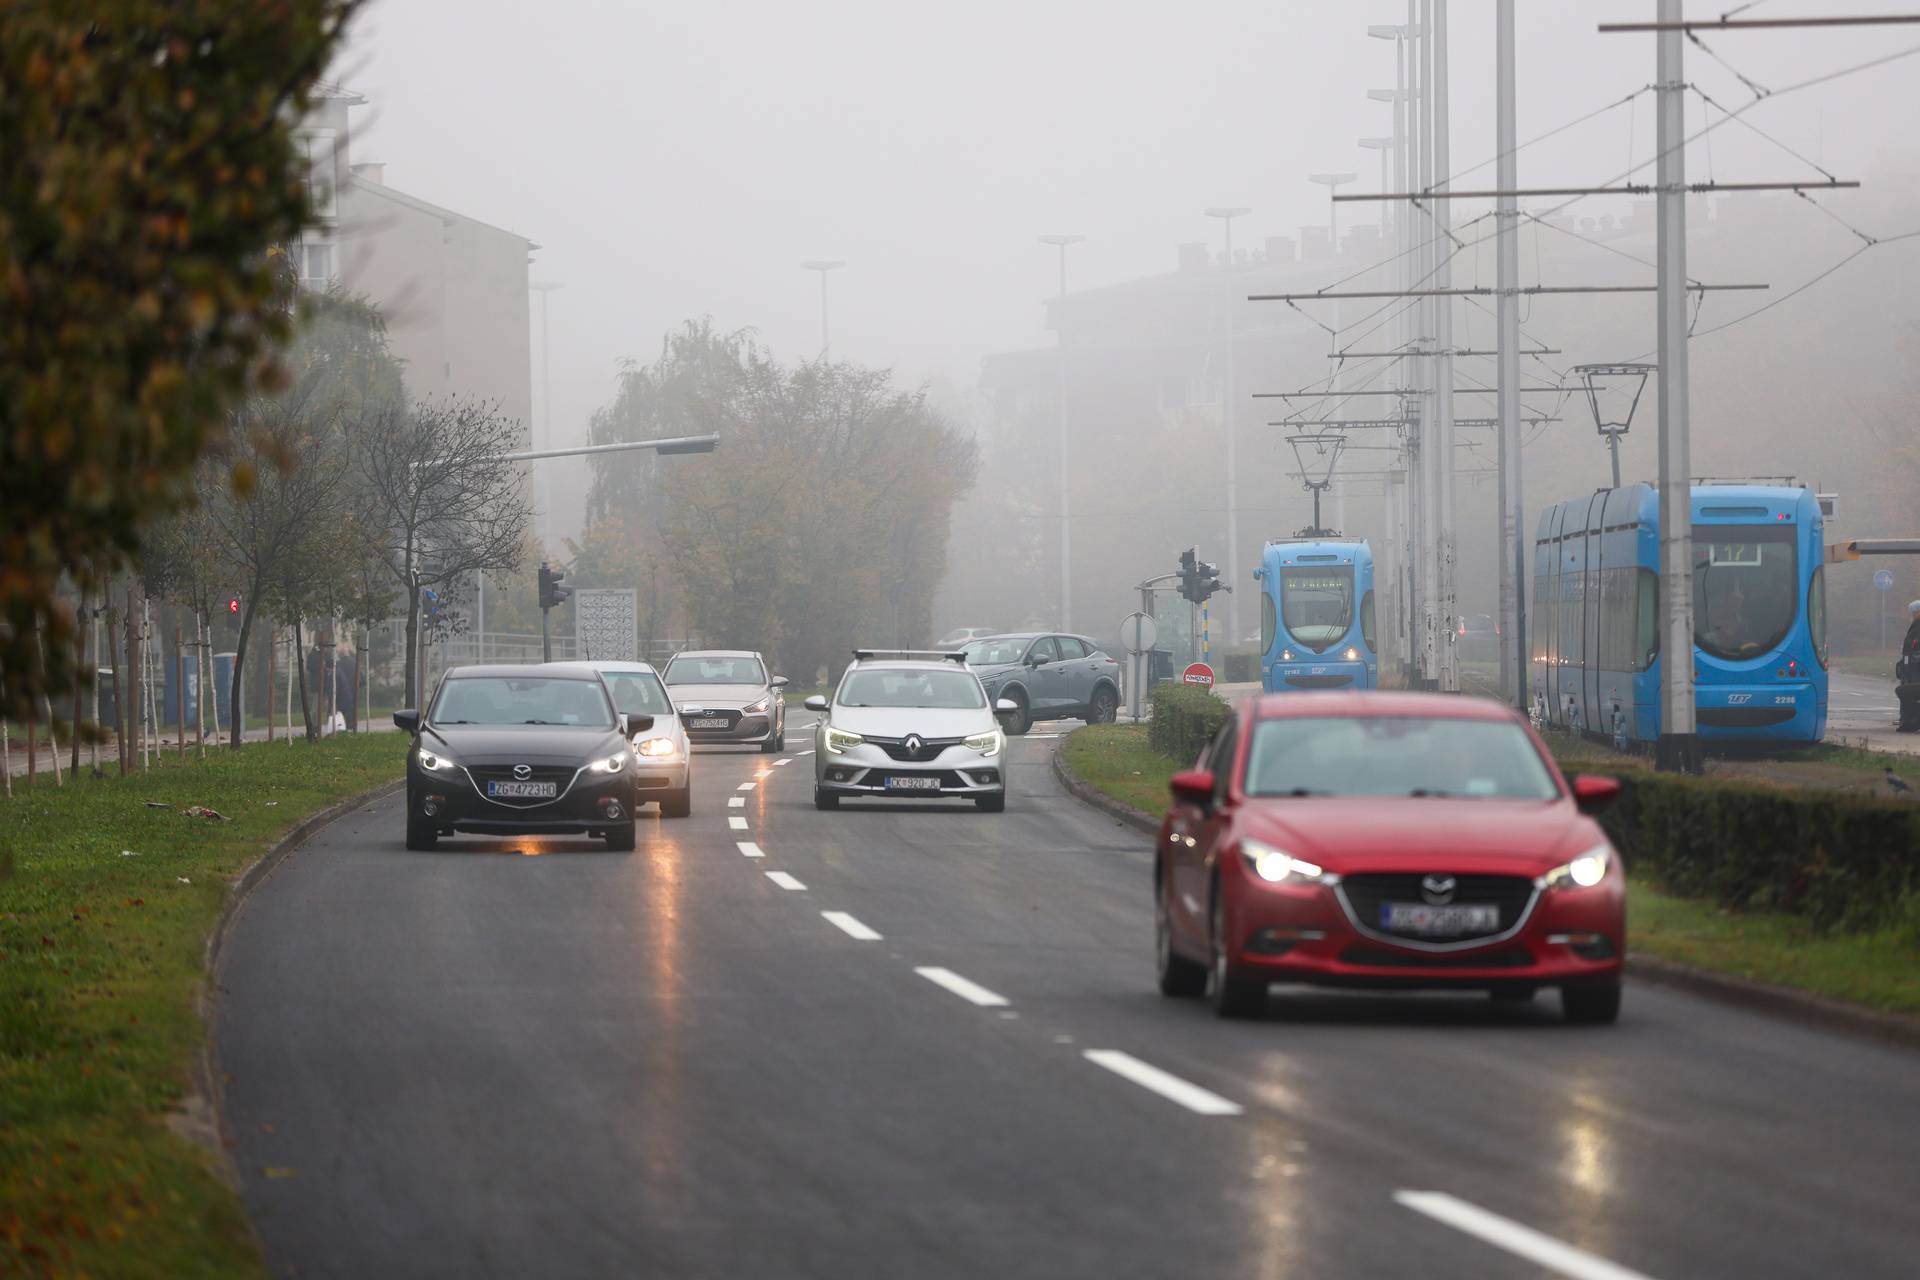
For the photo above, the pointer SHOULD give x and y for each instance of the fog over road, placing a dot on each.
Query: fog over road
(698, 1059)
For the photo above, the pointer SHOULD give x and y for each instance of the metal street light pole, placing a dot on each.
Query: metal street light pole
(1333, 182)
(823, 266)
(1229, 417)
(1445, 549)
(544, 487)
(1513, 578)
(1066, 509)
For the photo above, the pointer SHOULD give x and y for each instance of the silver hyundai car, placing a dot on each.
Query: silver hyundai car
(909, 723)
(728, 697)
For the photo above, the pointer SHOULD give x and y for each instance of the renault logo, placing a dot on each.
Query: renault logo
(1437, 890)
(914, 744)
(523, 771)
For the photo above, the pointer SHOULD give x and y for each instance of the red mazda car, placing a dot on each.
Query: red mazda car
(1386, 840)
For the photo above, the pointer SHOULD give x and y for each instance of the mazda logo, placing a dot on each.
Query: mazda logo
(1438, 890)
(914, 744)
(523, 771)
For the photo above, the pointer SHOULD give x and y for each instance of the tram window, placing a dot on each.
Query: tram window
(1745, 589)
(1647, 620)
(1366, 620)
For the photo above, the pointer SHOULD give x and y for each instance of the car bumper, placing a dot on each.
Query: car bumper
(1304, 934)
(866, 770)
(743, 730)
(1289, 677)
(651, 780)
(591, 804)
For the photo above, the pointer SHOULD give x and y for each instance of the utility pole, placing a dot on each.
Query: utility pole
(1679, 744)
(1445, 547)
(1229, 416)
(1513, 576)
(543, 487)
(1426, 523)
(822, 265)
(1066, 502)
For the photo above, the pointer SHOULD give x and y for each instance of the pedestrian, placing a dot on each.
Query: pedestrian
(1906, 672)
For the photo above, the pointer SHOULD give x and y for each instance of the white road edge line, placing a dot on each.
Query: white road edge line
(849, 926)
(1167, 1085)
(803, 753)
(1504, 1233)
(736, 802)
(782, 760)
(784, 880)
(746, 786)
(737, 823)
(961, 987)
(749, 849)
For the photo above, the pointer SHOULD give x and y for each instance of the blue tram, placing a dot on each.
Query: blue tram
(1759, 614)
(1317, 615)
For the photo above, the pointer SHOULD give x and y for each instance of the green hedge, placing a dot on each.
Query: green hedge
(1843, 861)
(1185, 718)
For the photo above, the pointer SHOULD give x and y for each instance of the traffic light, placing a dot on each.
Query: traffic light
(1198, 579)
(552, 594)
(1209, 581)
(233, 604)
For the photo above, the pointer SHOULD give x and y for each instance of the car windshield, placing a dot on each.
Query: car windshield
(1395, 756)
(1746, 590)
(945, 690)
(1317, 604)
(501, 700)
(996, 650)
(691, 669)
(638, 693)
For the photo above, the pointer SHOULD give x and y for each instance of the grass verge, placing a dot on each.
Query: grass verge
(103, 924)
(1880, 970)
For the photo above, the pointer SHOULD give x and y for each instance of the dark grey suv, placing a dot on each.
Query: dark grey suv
(1048, 677)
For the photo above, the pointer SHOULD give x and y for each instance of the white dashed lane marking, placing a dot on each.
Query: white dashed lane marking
(1504, 1233)
(849, 926)
(736, 802)
(962, 987)
(749, 849)
(746, 786)
(784, 880)
(1165, 1083)
(737, 823)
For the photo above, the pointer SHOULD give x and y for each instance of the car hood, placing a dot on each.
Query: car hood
(719, 697)
(993, 670)
(570, 745)
(898, 722)
(1375, 833)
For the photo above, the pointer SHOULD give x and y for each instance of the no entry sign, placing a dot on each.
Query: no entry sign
(1199, 673)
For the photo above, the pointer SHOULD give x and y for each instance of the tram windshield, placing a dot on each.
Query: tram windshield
(1746, 590)
(1316, 604)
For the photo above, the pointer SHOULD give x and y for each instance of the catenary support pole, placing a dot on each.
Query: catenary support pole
(1445, 546)
(1512, 514)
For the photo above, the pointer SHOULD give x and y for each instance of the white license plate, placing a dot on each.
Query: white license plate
(908, 782)
(1440, 922)
(708, 722)
(523, 790)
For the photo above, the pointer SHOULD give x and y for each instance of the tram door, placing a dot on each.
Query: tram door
(1592, 717)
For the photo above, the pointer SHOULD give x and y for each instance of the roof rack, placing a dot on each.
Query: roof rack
(921, 655)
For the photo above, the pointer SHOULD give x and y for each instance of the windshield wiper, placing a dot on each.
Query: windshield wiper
(1430, 793)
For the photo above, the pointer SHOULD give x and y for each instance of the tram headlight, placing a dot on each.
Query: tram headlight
(1352, 654)
(1286, 655)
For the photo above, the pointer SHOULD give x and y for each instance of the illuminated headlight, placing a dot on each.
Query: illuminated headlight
(1584, 872)
(1277, 866)
(839, 740)
(758, 708)
(659, 748)
(612, 764)
(1286, 655)
(988, 743)
(1352, 654)
(433, 763)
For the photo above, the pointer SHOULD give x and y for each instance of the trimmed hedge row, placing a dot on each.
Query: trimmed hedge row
(1843, 861)
(1185, 718)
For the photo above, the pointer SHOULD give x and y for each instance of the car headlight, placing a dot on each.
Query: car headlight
(1352, 654)
(659, 748)
(758, 708)
(1276, 866)
(988, 743)
(1584, 872)
(1286, 655)
(612, 764)
(838, 740)
(433, 763)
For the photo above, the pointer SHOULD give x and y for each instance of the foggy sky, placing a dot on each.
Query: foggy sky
(681, 159)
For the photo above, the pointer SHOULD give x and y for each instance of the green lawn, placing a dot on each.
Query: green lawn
(1881, 970)
(103, 922)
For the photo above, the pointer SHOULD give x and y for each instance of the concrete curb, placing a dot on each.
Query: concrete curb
(200, 1117)
(1786, 1003)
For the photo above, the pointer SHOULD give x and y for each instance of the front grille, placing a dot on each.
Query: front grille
(558, 774)
(1380, 958)
(1319, 682)
(1744, 717)
(1366, 894)
(930, 748)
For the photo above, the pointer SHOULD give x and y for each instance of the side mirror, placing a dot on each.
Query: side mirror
(778, 682)
(1035, 660)
(1195, 786)
(1592, 792)
(815, 703)
(632, 723)
(407, 721)
(1005, 707)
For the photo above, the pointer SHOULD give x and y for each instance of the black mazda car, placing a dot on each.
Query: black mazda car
(521, 750)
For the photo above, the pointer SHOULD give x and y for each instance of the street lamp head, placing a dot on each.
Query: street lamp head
(1332, 179)
(1061, 241)
(821, 264)
(1377, 144)
(1385, 95)
(545, 286)
(1221, 211)
(1393, 31)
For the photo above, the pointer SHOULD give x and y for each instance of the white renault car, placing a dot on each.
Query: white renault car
(662, 769)
(909, 723)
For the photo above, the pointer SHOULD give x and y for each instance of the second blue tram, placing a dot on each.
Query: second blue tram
(1759, 614)
(1317, 616)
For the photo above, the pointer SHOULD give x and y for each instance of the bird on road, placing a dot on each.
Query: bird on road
(1898, 783)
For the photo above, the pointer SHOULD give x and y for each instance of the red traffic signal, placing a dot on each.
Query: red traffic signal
(233, 604)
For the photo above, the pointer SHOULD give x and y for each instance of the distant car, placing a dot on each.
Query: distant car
(1478, 637)
(1386, 840)
(908, 724)
(520, 750)
(1047, 677)
(662, 771)
(961, 636)
(727, 696)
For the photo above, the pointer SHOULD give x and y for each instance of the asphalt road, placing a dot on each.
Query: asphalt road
(676, 1062)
